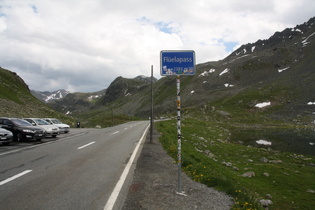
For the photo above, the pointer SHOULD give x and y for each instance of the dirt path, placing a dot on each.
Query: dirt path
(155, 184)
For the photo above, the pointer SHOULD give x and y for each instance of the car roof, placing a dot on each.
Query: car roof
(32, 118)
(10, 118)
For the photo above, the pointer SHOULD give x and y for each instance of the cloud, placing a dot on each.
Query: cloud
(84, 45)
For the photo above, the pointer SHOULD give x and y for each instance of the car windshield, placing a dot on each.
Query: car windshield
(55, 121)
(21, 122)
(41, 122)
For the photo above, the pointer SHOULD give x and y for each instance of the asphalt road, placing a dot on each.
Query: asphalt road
(78, 170)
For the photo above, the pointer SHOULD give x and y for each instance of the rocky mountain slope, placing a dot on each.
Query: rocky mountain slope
(74, 103)
(17, 101)
(122, 88)
(47, 96)
(279, 70)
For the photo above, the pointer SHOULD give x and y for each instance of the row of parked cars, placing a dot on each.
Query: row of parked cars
(17, 129)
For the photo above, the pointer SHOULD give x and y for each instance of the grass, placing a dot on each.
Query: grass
(206, 146)
(10, 83)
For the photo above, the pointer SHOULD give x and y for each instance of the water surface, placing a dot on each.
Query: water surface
(300, 141)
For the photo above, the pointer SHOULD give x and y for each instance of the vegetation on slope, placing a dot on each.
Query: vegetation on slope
(209, 157)
(17, 101)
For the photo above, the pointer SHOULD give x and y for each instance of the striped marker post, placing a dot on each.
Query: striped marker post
(179, 149)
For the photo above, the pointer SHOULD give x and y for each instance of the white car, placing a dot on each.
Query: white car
(6, 137)
(64, 128)
(51, 130)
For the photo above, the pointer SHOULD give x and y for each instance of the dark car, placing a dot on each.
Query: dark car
(21, 129)
(5, 136)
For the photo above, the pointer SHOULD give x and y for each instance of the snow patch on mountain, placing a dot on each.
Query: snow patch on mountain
(59, 94)
(263, 142)
(228, 85)
(205, 73)
(224, 71)
(305, 41)
(90, 98)
(262, 105)
(281, 70)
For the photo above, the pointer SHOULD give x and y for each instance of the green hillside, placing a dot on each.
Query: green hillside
(17, 101)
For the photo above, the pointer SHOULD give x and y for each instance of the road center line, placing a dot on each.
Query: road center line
(14, 177)
(114, 133)
(113, 197)
(86, 145)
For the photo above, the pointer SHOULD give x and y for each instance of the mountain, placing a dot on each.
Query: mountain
(273, 78)
(47, 96)
(17, 101)
(122, 88)
(279, 70)
(74, 103)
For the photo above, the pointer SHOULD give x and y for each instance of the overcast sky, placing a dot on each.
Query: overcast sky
(83, 45)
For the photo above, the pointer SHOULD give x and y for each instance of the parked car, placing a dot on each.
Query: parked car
(6, 136)
(22, 129)
(51, 130)
(64, 128)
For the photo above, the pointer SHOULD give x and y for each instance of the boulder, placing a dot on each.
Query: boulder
(265, 202)
(249, 174)
(264, 160)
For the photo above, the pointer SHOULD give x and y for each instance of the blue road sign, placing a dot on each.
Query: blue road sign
(177, 62)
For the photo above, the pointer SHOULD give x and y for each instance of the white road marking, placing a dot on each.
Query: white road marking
(114, 133)
(113, 197)
(14, 177)
(86, 145)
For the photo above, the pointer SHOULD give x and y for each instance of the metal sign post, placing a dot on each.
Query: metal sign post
(178, 63)
(151, 118)
(179, 142)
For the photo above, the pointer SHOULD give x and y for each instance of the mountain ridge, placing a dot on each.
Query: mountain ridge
(17, 101)
(279, 70)
(282, 64)
(47, 96)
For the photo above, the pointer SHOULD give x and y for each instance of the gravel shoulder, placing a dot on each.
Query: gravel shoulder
(155, 183)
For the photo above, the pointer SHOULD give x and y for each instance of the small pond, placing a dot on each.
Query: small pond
(299, 141)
